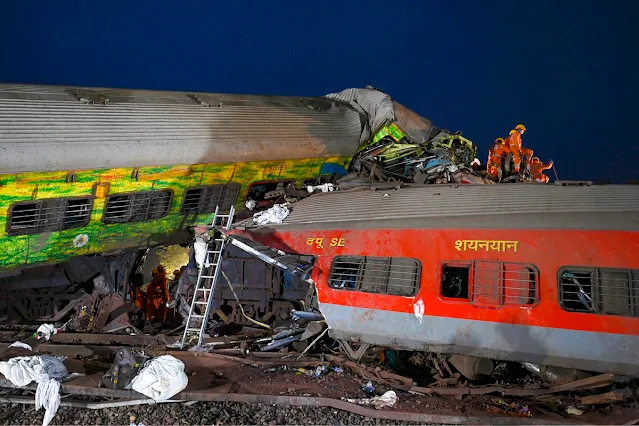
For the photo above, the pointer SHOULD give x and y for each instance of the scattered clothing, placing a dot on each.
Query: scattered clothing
(21, 345)
(46, 371)
(275, 214)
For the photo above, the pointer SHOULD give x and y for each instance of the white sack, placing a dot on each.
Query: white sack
(47, 330)
(161, 378)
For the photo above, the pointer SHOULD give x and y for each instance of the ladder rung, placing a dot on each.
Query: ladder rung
(197, 316)
(193, 329)
(207, 276)
(208, 265)
(201, 303)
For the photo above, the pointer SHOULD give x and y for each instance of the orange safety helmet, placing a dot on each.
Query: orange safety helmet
(499, 140)
(520, 127)
(536, 160)
(512, 132)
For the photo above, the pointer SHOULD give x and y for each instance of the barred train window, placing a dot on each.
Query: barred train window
(398, 276)
(490, 283)
(204, 199)
(600, 290)
(53, 214)
(137, 206)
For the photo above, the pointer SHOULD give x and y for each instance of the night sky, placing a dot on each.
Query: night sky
(567, 69)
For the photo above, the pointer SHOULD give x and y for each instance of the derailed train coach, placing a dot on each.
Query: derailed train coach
(543, 274)
(91, 171)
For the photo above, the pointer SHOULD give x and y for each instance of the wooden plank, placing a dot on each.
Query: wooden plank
(604, 398)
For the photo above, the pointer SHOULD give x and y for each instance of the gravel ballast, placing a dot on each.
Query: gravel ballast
(200, 413)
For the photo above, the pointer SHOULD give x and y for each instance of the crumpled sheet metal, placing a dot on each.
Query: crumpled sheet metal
(376, 106)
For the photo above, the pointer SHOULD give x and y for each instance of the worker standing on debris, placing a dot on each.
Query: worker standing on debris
(537, 170)
(157, 295)
(137, 295)
(514, 143)
(495, 159)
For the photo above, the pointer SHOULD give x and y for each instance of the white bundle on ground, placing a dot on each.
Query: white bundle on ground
(46, 331)
(387, 400)
(46, 371)
(275, 214)
(161, 378)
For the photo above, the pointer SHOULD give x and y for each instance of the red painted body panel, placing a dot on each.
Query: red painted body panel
(547, 250)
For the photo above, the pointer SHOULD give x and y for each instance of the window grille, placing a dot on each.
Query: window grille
(490, 283)
(137, 206)
(204, 199)
(600, 290)
(384, 275)
(48, 215)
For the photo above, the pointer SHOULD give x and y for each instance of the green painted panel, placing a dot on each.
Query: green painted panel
(55, 247)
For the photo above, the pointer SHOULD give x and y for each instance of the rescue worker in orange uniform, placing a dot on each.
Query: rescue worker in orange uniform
(513, 141)
(157, 295)
(537, 170)
(137, 295)
(495, 159)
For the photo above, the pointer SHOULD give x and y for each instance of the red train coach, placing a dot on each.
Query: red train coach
(546, 274)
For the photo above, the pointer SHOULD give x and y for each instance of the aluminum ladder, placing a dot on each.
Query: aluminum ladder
(207, 278)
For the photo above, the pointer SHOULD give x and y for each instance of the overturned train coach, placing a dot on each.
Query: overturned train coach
(527, 273)
(97, 171)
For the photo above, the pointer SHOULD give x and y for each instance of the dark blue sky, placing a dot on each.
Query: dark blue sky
(567, 69)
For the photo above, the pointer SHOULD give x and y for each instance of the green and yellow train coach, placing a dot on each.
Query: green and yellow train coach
(87, 171)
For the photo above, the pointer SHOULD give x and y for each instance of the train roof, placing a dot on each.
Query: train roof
(45, 128)
(525, 205)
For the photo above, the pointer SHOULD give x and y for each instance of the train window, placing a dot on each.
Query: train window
(490, 283)
(267, 190)
(137, 206)
(54, 214)
(383, 275)
(204, 199)
(455, 281)
(600, 290)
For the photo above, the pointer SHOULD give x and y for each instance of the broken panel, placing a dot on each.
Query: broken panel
(267, 190)
(292, 263)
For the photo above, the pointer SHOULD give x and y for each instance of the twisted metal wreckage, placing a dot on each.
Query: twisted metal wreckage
(291, 277)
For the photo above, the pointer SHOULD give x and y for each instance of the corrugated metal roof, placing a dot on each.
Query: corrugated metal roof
(469, 204)
(55, 128)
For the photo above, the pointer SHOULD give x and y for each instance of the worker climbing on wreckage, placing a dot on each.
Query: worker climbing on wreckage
(514, 143)
(537, 170)
(157, 295)
(495, 159)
